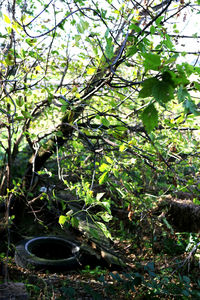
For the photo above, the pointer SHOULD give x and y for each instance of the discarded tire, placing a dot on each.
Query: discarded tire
(47, 253)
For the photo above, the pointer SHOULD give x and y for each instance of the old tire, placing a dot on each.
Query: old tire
(47, 253)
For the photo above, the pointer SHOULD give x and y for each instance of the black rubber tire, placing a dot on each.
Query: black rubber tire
(47, 253)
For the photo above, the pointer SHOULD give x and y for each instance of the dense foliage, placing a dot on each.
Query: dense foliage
(103, 97)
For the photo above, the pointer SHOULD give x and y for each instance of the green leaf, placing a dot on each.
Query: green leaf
(150, 117)
(116, 277)
(93, 232)
(6, 19)
(31, 42)
(79, 28)
(104, 229)
(108, 159)
(109, 51)
(91, 71)
(99, 196)
(122, 148)
(105, 122)
(116, 173)
(104, 167)
(152, 29)
(64, 108)
(186, 293)
(150, 266)
(61, 25)
(77, 38)
(197, 85)
(62, 220)
(59, 133)
(186, 279)
(163, 92)
(190, 107)
(89, 198)
(26, 114)
(82, 26)
(106, 205)
(181, 78)
(152, 61)
(9, 60)
(135, 27)
(19, 101)
(182, 94)
(131, 51)
(103, 177)
(106, 217)
(167, 42)
(74, 222)
(148, 85)
(158, 20)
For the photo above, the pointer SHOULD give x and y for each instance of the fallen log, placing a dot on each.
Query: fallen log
(183, 215)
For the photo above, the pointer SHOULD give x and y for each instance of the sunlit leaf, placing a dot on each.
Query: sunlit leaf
(106, 205)
(6, 19)
(99, 196)
(159, 20)
(82, 26)
(122, 148)
(106, 217)
(91, 71)
(152, 61)
(62, 220)
(115, 172)
(77, 95)
(104, 167)
(31, 42)
(38, 68)
(108, 159)
(104, 229)
(103, 177)
(197, 85)
(105, 122)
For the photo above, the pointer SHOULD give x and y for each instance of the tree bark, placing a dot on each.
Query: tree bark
(183, 215)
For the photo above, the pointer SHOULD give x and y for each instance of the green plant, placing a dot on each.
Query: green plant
(85, 194)
(94, 272)
(68, 292)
